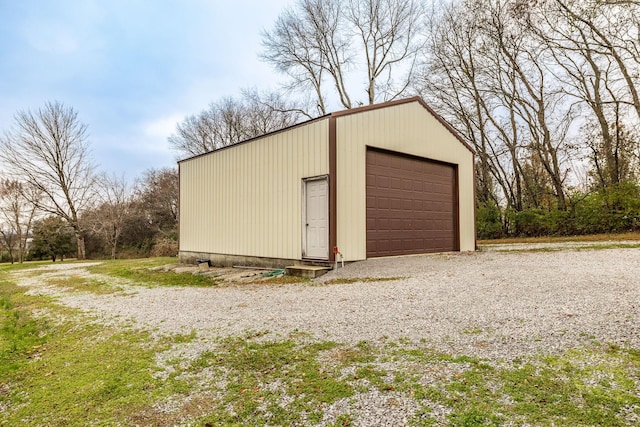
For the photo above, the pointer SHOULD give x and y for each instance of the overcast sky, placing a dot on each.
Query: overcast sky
(132, 69)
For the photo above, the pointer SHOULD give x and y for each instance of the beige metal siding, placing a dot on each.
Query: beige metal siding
(246, 199)
(406, 128)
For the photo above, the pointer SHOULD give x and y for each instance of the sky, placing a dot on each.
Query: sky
(132, 69)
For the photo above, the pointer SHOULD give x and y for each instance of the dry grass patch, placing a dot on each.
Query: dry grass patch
(84, 284)
(280, 280)
(561, 239)
(347, 280)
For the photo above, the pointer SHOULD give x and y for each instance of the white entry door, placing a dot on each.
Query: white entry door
(315, 219)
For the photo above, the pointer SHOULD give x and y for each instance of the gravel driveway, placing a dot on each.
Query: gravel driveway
(498, 305)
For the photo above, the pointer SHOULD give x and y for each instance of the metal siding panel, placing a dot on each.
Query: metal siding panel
(352, 132)
(246, 200)
(287, 217)
(276, 198)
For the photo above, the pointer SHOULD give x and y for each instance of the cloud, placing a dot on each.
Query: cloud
(162, 127)
(132, 71)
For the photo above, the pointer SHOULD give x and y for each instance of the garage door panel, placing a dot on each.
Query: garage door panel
(411, 205)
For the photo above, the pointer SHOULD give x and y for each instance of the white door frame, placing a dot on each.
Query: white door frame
(304, 215)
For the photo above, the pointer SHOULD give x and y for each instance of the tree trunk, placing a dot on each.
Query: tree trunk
(80, 242)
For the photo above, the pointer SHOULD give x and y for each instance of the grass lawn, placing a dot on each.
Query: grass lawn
(559, 239)
(60, 367)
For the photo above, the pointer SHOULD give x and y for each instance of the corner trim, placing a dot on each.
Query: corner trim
(179, 216)
(457, 214)
(475, 204)
(333, 188)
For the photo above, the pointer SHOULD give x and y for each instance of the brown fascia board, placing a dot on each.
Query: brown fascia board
(348, 112)
(417, 99)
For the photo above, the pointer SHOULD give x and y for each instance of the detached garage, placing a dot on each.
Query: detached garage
(382, 180)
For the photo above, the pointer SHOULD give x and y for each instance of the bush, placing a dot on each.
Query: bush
(164, 247)
(534, 222)
(489, 221)
(4, 257)
(611, 210)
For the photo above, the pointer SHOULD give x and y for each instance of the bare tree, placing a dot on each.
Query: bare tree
(266, 112)
(299, 45)
(8, 226)
(453, 78)
(17, 213)
(593, 46)
(538, 99)
(156, 197)
(229, 121)
(109, 218)
(326, 45)
(48, 150)
(193, 136)
(613, 27)
(387, 30)
(461, 77)
(495, 81)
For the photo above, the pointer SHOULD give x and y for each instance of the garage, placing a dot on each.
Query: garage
(379, 180)
(411, 205)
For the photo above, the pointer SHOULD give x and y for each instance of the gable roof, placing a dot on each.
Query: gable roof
(417, 99)
(348, 112)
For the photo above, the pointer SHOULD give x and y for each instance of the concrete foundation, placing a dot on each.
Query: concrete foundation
(308, 271)
(222, 260)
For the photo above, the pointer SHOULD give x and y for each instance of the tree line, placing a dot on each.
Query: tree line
(54, 203)
(546, 91)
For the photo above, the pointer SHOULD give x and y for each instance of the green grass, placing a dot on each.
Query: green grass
(84, 284)
(138, 271)
(60, 367)
(253, 368)
(583, 387)
(609, 246)
(21, 336)
(6, 267)
(472, 330)
(71, 372)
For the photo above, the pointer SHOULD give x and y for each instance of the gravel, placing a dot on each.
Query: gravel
(492, 304)
(498, 305)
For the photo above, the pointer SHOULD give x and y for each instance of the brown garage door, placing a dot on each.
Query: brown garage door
(411, 205)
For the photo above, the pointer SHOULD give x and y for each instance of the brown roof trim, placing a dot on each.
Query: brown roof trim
(342, 113)
(417, 99)
(306, 122)
(374, 106)
(445, 123)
